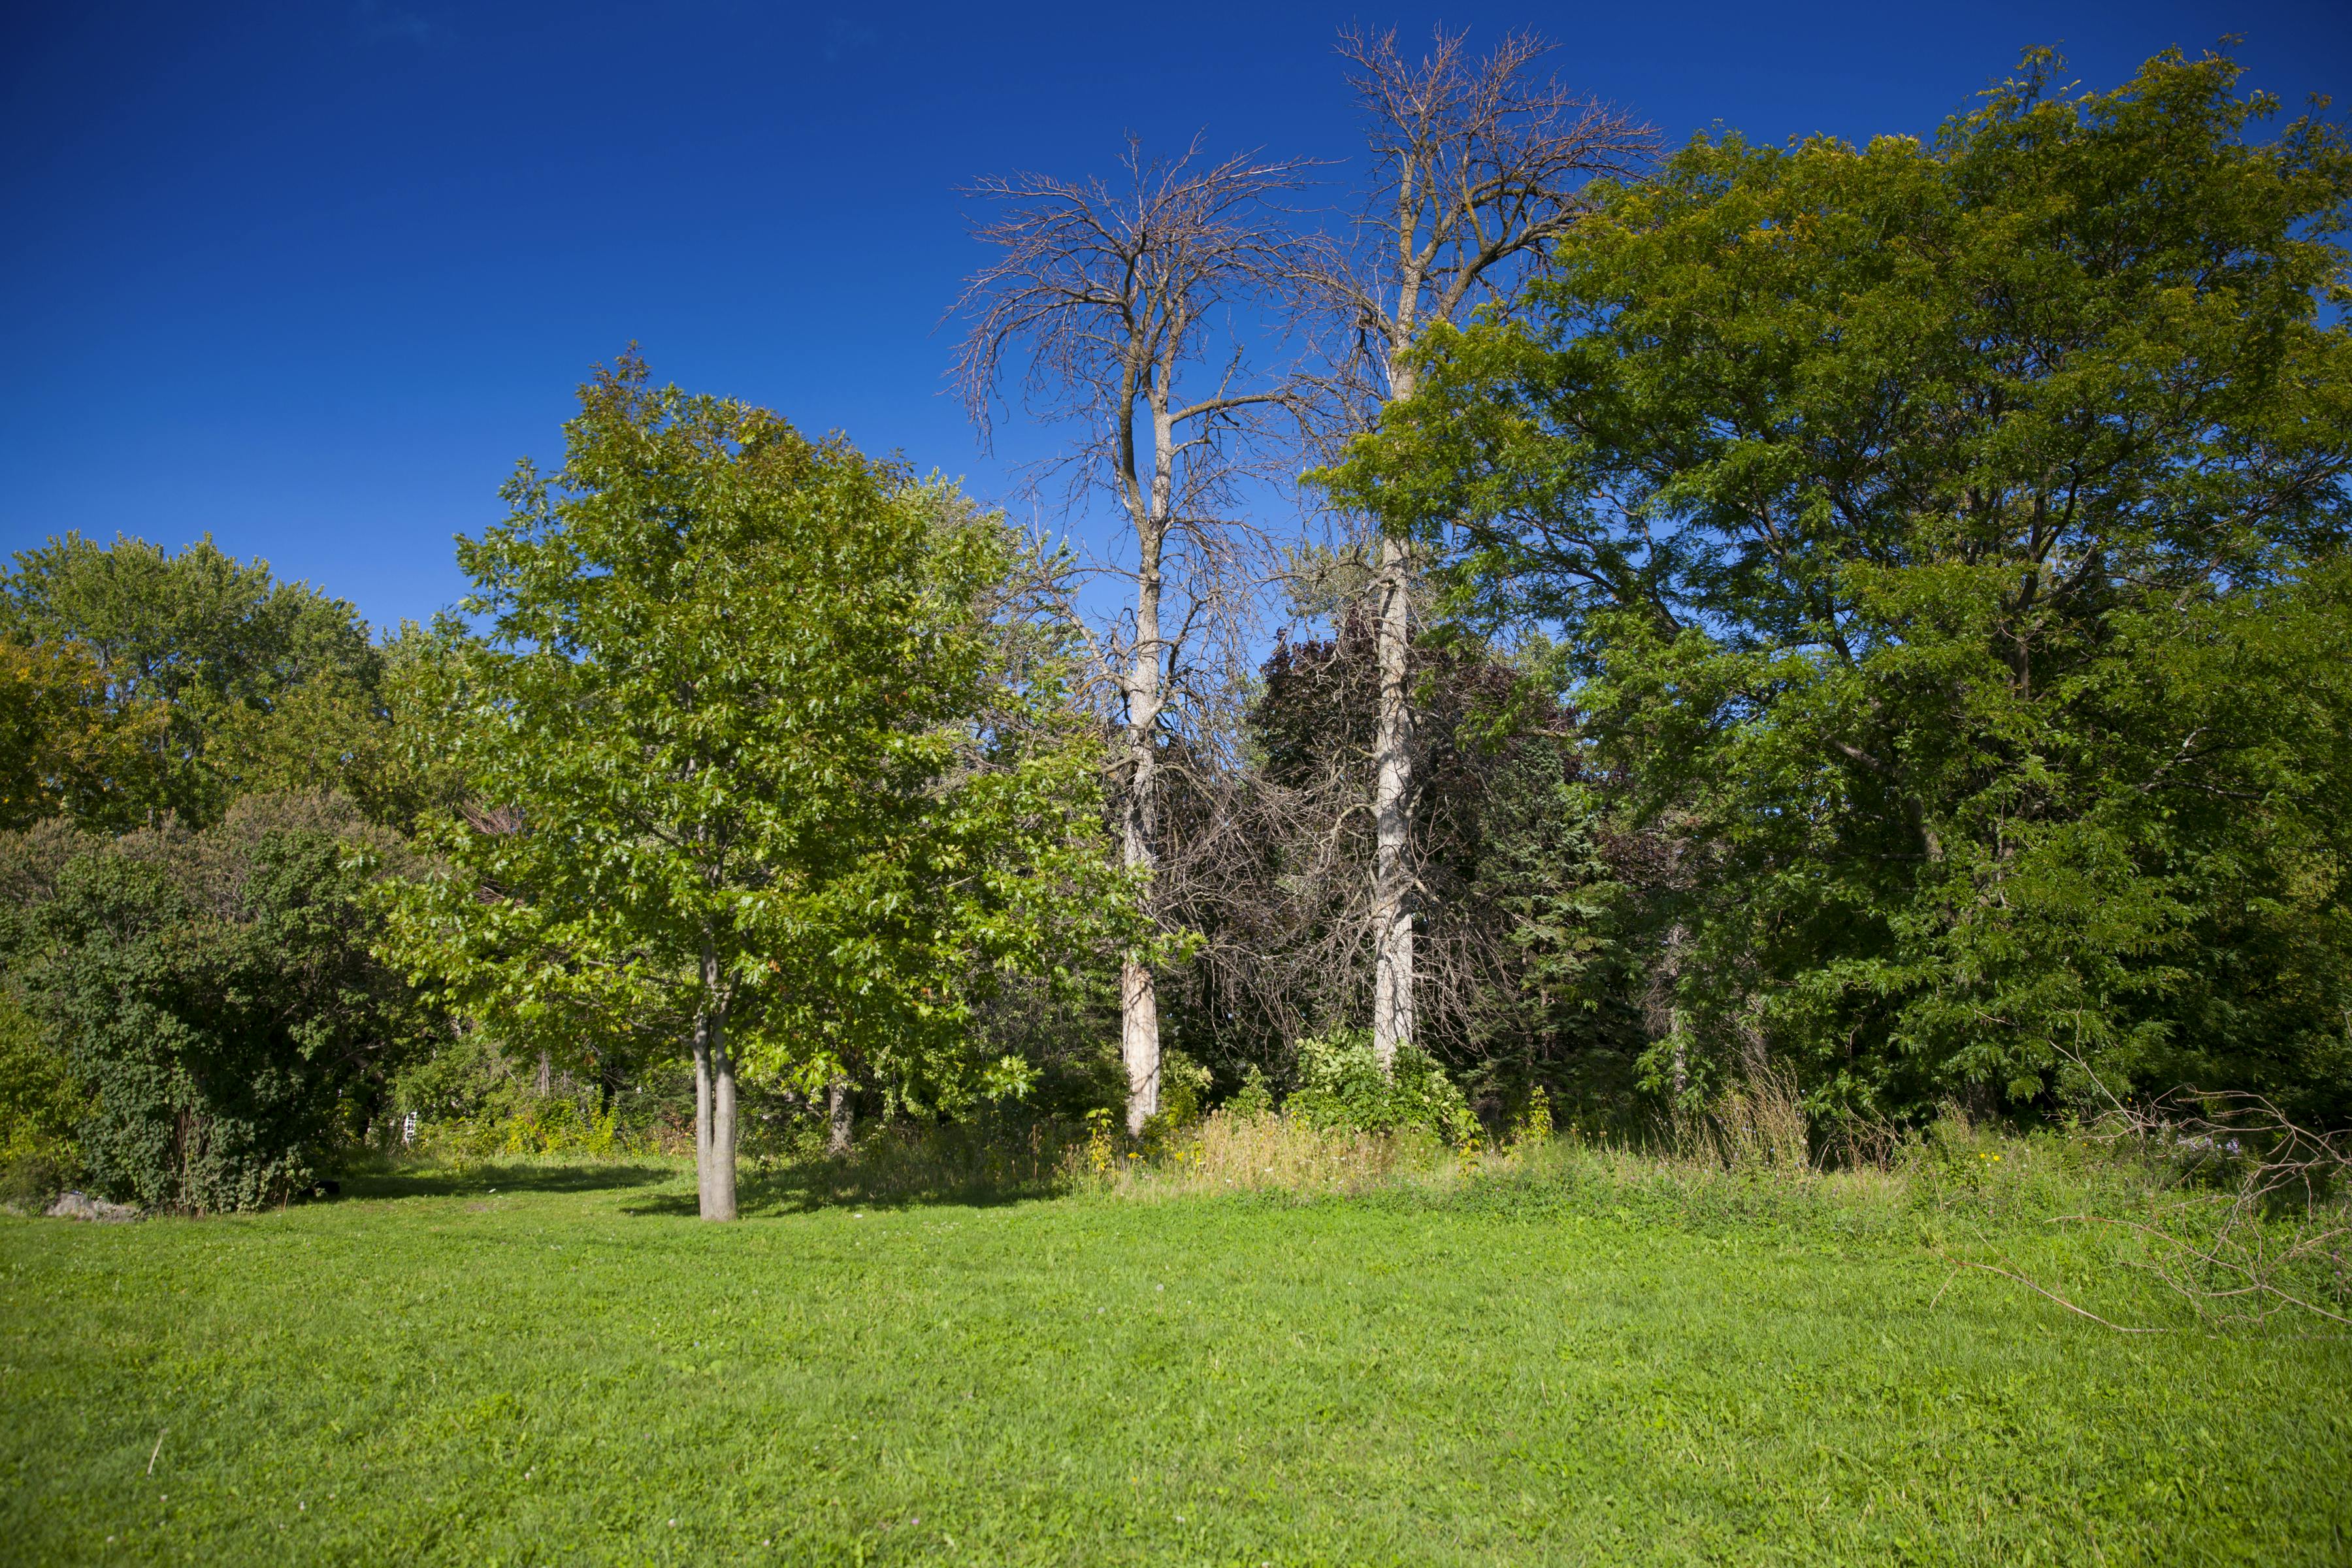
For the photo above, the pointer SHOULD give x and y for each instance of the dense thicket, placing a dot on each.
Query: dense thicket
(1522, 978)
(217, 995)
(1946, 544)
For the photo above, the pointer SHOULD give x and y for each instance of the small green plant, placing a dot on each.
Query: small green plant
(1183, 1089)
(1341, 1087)
(1101, 1152)
(1254, 1098)
(1536, 1126)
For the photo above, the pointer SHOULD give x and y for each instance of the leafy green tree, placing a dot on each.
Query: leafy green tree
(1948, 541)
(196, 662)
(216, 994)
(753, 745)
(64, 749)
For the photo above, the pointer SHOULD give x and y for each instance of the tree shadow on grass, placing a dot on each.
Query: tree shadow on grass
(472, 1181)
(888, 1172)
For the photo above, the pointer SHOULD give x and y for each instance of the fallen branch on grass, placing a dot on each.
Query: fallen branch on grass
(1962, 1265)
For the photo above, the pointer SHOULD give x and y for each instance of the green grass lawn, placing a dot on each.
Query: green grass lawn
(544, 1365)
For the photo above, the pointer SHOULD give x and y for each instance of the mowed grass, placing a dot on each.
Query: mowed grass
(560, 1365)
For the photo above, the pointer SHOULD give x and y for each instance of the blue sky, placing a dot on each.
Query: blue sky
(312, 276)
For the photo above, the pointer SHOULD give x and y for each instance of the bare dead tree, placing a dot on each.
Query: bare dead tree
(1118, 310)
(1265, 861)
(1478, 166)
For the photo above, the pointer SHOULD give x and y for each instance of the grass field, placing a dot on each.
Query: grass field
(549, 1364)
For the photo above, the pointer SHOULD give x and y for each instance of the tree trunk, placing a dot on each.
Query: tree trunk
(714, 1102)
(1139, 995)
(1392, 904)
(839, 1113)
(1139, 1043)
(723, 1138)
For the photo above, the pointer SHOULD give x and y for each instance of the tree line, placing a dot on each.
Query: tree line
(1599, 622)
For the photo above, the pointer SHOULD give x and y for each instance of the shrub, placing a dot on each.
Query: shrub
(1254, 1098)
(1183, 1089)
(1535, 1125)
(1341, 1088)
(218, 992)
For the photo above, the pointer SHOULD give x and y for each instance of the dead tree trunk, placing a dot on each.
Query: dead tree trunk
(1107, 297)
(1479, 165)
(1392, 876)
(1139, 996)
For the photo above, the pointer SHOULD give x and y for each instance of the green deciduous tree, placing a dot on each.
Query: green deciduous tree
(64, 748)
(174, 683)
(754, 743)
(1948, 541)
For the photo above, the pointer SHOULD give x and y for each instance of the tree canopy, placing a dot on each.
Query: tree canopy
(1948, 538)
(154, 683)
(753, 736)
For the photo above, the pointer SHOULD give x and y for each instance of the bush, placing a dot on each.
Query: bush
(1254, 1098)
(1342, 1088)
(1183, 1089)
(217, 994)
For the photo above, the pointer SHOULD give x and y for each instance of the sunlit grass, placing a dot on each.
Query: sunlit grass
(1565, 1354)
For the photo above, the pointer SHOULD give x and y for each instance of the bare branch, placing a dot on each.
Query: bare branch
(1477, 166)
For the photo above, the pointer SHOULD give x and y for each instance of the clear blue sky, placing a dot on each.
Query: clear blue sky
(312, 276)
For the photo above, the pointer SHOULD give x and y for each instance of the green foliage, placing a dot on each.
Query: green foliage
(1535, 1124)
(176, 682)
(758, 736)
(1254, 1098)
(1341, 1088)
(1554, 1002)
(1947, 542)
(1184, 1088)
(216, 994)
(542, 1126)
(41, 1103)
(62, 747)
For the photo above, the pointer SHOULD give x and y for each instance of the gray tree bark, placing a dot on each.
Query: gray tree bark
(839, 1118)
(1392, 877)
(1139, 993)
(714, 1100)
